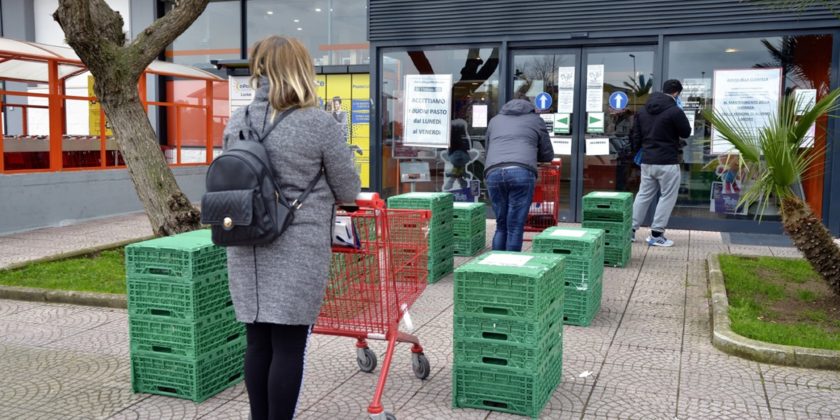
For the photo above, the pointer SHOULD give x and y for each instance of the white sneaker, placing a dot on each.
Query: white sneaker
(659, 241)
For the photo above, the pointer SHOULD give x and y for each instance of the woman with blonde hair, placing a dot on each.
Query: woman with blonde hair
(277, 289)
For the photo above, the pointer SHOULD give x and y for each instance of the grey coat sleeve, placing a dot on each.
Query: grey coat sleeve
(338, 166)
(545, 152)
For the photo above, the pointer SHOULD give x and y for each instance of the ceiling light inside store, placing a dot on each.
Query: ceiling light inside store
(731, 50)
(297, 20)
(300, 29)
(270, 12)
(317, 9)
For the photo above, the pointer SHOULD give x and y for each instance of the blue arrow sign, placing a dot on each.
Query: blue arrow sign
(543, 101)
(618, 100)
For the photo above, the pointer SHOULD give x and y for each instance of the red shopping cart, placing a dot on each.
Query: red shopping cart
(545, 206)
(373, 282)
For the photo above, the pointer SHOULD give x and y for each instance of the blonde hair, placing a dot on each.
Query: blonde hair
(286, 64)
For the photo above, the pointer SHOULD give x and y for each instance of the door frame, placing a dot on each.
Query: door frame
(578, 123)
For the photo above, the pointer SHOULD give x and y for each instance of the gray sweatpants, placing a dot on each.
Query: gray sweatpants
(657, 178)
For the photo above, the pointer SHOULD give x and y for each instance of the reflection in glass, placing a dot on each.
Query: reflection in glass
(805, 62)
(475, 88)
(204, 41)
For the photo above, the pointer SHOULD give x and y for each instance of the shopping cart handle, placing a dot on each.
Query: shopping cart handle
(369, 200)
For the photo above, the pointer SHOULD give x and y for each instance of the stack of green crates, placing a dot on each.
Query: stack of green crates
(185, 340)
(441, 259)
(583, 275)
(470, 228)
(611, 212)
(508, 332)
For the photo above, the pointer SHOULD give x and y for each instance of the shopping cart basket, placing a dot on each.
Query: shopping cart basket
(545, 206)
(373, 283)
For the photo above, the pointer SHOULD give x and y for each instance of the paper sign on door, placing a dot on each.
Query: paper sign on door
(597, 147)
(562, 145)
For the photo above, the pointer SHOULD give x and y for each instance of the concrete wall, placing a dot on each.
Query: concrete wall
(30, 201)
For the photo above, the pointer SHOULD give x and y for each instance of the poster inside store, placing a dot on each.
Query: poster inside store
(750, 97)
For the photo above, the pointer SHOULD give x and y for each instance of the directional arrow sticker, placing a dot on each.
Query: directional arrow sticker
(595, 122)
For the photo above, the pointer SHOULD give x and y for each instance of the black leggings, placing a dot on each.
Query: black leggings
(274, 369)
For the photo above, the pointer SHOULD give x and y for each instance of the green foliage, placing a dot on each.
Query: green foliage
(101, 273)
(751, 296)
(775, 153)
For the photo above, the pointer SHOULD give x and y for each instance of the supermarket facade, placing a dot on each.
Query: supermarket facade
(587, 66)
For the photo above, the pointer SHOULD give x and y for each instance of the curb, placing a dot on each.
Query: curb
(726, 340)
(106, 300)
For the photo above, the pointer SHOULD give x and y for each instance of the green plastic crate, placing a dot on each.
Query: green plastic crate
(608, 200)
(509, 283)
(203, 296)
(618, 257)
(440, 268)
(471, 246)
(184, 338)
(188, 378)
(507, 390)
(469, 210)
(576, 242)
(468, 229)
(439, 203)
(440, 240)
(607, 215)
(492, 353)
(580, 271)
(581, 306)
(614, 232)
(180, 257)
(528, 332)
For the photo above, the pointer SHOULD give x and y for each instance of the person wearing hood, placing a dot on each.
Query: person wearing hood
(657, 132)
(517, 140)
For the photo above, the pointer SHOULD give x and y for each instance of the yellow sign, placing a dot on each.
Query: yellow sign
(347, 98)
(94, 113)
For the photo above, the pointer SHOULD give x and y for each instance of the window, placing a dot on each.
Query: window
(334, 31)
(475, 99)
(804, 62)
(215, 35)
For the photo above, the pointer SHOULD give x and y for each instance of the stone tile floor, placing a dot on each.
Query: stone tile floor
(647, 355)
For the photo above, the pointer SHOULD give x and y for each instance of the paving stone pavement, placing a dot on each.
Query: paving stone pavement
(647, 355)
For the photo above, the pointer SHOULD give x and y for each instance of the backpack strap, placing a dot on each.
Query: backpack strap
(266, 132)
(299, 201)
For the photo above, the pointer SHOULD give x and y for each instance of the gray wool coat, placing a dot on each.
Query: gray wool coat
(284, 282)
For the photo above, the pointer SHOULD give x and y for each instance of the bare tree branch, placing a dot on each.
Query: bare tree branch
(146, 47)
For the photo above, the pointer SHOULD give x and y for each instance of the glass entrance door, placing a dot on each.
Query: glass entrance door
(595, 94)
(617, 83)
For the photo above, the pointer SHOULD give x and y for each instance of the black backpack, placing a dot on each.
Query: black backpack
(242, 203)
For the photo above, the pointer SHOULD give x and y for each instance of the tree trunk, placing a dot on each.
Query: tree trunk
(94, 31)
(811, 238)
(168, 209)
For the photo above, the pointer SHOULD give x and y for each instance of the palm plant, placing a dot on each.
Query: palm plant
(778, 151)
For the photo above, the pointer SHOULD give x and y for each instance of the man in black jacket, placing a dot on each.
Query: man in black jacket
(657, 132)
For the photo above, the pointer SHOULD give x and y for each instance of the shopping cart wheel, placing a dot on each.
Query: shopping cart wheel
(420, 365)
(390, 416)
(366, 359)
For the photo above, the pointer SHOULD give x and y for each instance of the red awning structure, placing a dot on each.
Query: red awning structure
(38, 64)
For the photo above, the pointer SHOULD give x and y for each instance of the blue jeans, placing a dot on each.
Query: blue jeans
(511, 190)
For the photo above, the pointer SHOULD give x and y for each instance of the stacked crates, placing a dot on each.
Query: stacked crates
(441, 259)
(469, 226)
(611, 212)
(185, 340)
(583, 275)
(508, 332)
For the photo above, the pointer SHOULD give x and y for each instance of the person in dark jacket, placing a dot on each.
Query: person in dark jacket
(657, 132)
(517, 140)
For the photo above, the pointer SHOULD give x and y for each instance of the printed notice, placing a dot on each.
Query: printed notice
(597, 147)
(810, 136)
(691, 114)
(240, 92)
(506, 260)
(479, 116)
(428, 99)
(595, 88)
(562, 145)
(805, 100)
(569, 233)
(565, 90)
(749, 97)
